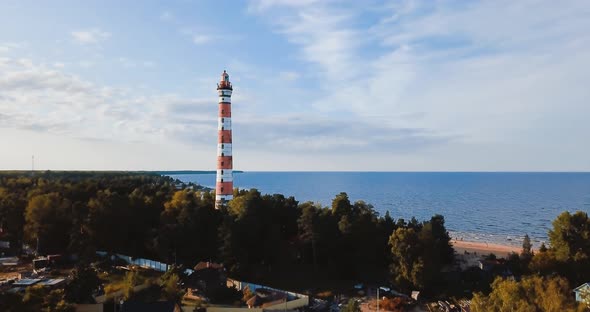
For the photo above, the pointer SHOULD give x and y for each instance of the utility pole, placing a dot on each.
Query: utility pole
(377, 298)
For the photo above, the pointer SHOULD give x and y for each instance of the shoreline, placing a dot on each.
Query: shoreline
(483, 248)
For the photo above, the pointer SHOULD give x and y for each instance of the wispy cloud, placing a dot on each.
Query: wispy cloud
(9, 46)
(479, 72)
(451, 84)
(289, 75)
(325, 39)
(130, 63)
(262, 5)
(201, 39)
(167, 16)
(90, 36)
(87, 110)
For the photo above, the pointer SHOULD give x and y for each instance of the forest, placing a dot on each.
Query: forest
(269, 239)
(258, 237)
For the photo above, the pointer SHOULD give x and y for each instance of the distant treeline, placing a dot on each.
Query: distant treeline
(89, 174)
(180, 172)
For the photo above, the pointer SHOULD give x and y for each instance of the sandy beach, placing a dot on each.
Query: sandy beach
(483, 248)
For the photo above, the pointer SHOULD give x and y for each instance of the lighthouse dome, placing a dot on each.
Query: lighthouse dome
(224, 82)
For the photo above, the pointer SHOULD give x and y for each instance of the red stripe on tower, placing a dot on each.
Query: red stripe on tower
(224, 187)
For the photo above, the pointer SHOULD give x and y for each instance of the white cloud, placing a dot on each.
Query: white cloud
(39, 99)
(488, 74)
(325, 39)
(201, 39)
(9, 46)
(90, 36)
(167, 16)
(289, 75)
(130, 63)
(263, 5)
(410, 85)
(86, 64)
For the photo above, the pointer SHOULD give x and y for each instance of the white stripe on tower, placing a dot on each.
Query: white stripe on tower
(224, 123)
(223, 149)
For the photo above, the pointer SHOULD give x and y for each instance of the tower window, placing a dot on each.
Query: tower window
(222, 189)
(221, 180)
(222, 163)
(222, 119)
(222, 155)
(221, 171)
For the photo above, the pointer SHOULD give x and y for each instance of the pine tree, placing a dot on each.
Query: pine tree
(527, 249)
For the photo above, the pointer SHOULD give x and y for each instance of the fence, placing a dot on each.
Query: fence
(239, 285)
(290, 305)
(144, 263)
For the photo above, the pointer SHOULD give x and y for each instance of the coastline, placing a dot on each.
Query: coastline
(484, 248)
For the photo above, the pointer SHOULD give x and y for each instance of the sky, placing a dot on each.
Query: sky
(318, 85)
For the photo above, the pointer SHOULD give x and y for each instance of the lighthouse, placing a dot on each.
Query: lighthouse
(224, 185)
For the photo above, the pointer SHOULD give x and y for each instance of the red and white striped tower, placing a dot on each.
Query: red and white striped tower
(224, 187)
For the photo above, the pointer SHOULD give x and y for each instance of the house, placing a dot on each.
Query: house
(496, 267)
(40, 263)
(206, 278)
(266, 298)
(580, 290)
(208, 265)
(488, 265)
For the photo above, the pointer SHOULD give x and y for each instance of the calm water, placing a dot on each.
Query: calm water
(496, 207)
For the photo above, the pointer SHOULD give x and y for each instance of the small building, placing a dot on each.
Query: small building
(495, 267)
(208, 265)
(9, 261)
(488, 265)
(40, 263)
(205, 279)
(254, 302)
(580, 290)
(264, 298)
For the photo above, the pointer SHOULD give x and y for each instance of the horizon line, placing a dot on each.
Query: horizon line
(294, 171)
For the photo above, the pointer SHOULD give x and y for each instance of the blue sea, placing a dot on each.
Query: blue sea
(477, 206)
